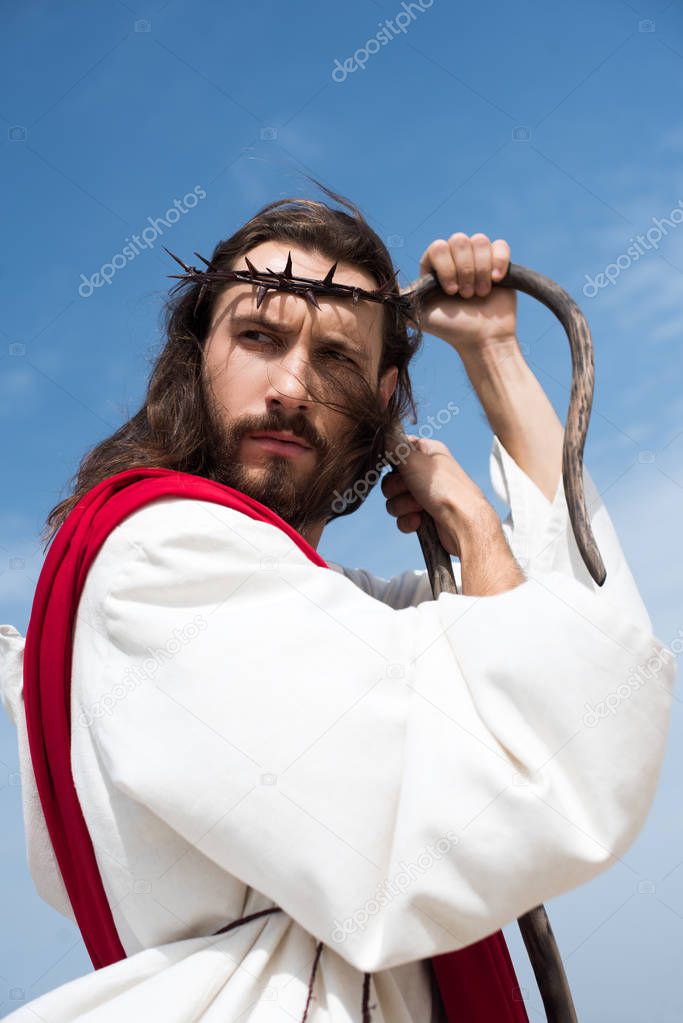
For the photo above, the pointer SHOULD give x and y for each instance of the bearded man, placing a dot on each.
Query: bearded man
(271, 788)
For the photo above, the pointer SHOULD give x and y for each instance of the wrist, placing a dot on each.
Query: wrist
(488, 354)
(488, 565)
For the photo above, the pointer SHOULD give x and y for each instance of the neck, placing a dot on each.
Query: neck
(313, 533)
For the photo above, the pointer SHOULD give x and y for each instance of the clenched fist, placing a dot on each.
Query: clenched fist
(429, 479)
(472, 312)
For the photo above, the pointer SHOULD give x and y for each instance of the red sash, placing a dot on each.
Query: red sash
(477, 983)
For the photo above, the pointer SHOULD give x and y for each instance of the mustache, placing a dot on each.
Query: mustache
(297, 424)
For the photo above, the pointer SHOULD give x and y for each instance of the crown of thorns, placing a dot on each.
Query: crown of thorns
(285, 280)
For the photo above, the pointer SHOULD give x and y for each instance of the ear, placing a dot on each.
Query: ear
(387, 384)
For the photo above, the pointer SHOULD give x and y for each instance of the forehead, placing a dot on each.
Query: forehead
(361, 323)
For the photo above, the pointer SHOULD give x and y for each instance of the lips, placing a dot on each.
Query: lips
(281, 438)
(275, 445)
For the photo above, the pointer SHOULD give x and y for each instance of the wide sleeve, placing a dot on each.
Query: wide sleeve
(40, 854)
(540, 535)
(400, 782)
(405, 589)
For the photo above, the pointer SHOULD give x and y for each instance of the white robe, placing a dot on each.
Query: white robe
(403, 776)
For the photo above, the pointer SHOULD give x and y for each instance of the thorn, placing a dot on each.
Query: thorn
(261, 294)
(184, 265)
(281, 276)
(250, 265)
(200, 296)
(355, 296)
(330, 274)
(386, 287)
(288, 268)
(206, 261)
(310, 295)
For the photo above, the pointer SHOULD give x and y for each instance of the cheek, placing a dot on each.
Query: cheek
(338, 429)
(237, 381)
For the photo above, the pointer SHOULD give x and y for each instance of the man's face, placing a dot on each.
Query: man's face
(263, 366)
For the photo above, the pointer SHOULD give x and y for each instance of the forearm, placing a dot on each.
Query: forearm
(487, 564)
(518, 409)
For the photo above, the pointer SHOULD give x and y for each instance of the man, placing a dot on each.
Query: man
(374, 775)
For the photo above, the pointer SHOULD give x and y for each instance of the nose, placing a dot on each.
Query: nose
(288, 380)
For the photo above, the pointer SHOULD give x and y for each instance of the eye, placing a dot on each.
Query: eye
(339, 355)
(246, 333)
(334, 352)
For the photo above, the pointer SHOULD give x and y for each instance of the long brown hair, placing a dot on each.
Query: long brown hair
(174, 425)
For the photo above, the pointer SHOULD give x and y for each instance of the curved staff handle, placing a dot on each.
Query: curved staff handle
(580, 400)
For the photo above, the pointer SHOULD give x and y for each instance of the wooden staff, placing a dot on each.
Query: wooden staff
(535, 926)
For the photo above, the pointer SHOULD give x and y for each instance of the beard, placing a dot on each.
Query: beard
(302, 498)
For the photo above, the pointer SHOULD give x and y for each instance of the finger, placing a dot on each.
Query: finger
(393, 484)
(481, 247)
(500, 259)
(438, 260)
(404, 504)
(463, 256)
(409, 523)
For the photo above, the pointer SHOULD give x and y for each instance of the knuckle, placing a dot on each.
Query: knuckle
(480, 238)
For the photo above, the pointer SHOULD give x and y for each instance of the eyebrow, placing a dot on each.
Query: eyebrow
(284, 328)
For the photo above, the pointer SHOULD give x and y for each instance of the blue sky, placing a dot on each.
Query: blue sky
(554, 126)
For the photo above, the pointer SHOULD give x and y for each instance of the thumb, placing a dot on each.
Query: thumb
(399, 445)
(428, 445)
(408, 454)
